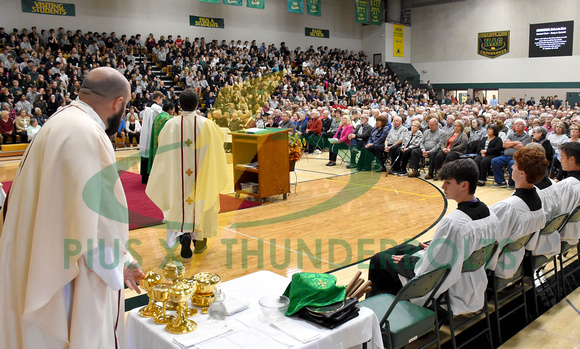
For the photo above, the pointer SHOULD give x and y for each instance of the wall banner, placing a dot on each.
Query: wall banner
(493, 44)
(361, 11)
(398, 40)
(313, 7)
(48, 8)
(375, 11)
(317, 33)
(296, 6)
(206, 22)
(259, 4)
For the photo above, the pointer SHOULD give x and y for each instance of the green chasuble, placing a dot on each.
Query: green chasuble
(158, 124)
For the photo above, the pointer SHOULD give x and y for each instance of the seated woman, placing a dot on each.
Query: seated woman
(488, 148)
(341, 134)
(557, 139)
(21, 123)
(376, 141)
(452, 146)
(33, 129)
(133, 129)
(476, 134)
(411, 141)
(7, 128)
(539, 135)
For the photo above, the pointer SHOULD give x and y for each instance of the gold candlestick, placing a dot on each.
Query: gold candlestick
(161, 294)
(173, 273)
(181, 293)
(148, 282)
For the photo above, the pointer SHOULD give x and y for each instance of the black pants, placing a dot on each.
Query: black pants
(312, 138)
(484, 165)
(6, 137)
(441, 158)
(134, 136)
(404, 157)
(416, 156)
(23, 136)
(384, 272)
(334, 148)
(144, 170)
(393, 151)
(367, 156)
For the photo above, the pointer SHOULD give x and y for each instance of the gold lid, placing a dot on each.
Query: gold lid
(207, 278)
(171, 265)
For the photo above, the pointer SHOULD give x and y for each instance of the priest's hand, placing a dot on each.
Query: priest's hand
(132, 275)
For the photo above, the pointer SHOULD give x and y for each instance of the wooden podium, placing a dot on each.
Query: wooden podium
(261, 158)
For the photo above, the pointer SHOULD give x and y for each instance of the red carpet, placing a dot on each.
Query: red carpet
(143, 212)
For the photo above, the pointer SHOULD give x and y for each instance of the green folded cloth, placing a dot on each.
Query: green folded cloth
(313, 290)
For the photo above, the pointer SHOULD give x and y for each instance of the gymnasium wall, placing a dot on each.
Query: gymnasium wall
(444, 43)
(379, 39)
(272, 25)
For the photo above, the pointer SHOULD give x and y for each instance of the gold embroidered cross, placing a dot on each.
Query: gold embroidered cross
(189, 201)
(321, 283)
(188, 142)
(188, 172)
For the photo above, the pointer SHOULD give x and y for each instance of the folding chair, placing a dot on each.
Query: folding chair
(565, 257)
(478, 259)
(538, 263)
(409, 321)
(497, 284)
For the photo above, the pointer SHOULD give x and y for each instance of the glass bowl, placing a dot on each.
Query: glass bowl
(274, 307)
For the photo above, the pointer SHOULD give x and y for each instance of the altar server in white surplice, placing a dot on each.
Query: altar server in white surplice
(187, 176)
(152, 109)
(569, 190)
(64, 232)
(521, 214)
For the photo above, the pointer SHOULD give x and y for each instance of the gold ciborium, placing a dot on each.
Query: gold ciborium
(205, 285)
(181, 293)
(160, 293)
(173, 272)
(148, 282)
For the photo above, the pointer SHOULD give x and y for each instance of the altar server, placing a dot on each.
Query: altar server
(187, 176)
(569, 189)
(465, 230)
(521, 214)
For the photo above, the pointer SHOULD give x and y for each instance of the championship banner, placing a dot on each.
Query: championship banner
(361, 11)
(398, 40)
(317, 33)
(48, 8)
(211, 1)
(296, 6)
(313, 7)
(233, 2)
(259, 4)
(493, 44)
(375, 9)
(206, 22)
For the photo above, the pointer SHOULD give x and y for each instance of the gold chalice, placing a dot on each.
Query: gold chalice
(148, 282)
(173, 273)
(192, 284)
(161, 294)
(181, 293)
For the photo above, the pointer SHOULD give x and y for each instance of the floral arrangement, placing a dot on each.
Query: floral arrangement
(296, 145)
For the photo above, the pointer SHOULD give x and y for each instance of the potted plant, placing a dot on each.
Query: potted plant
(295, 149)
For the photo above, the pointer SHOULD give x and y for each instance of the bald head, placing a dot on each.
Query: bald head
(104, 84)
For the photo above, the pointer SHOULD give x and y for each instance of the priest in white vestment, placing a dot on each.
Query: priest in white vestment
(187, 176)
(151, 111)
(64, 229)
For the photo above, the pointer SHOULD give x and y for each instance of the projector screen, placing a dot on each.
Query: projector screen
(551, 39)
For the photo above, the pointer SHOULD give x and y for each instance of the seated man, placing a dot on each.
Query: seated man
(359, 138)
(516, 139)
(521, 214)
(392, 144)
(460, 233)
(428, 148)
(569, 190)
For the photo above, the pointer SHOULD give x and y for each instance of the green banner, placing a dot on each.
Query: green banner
(313, 7)
(48, 8)
(206, 22)
(362, 9)
(255, 4)
(211, 1)
(317, 33)
(375, 10)
(296, 6)
(233, 2)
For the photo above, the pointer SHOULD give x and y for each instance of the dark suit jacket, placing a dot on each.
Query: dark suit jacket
(494, 148)
(366, 133)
